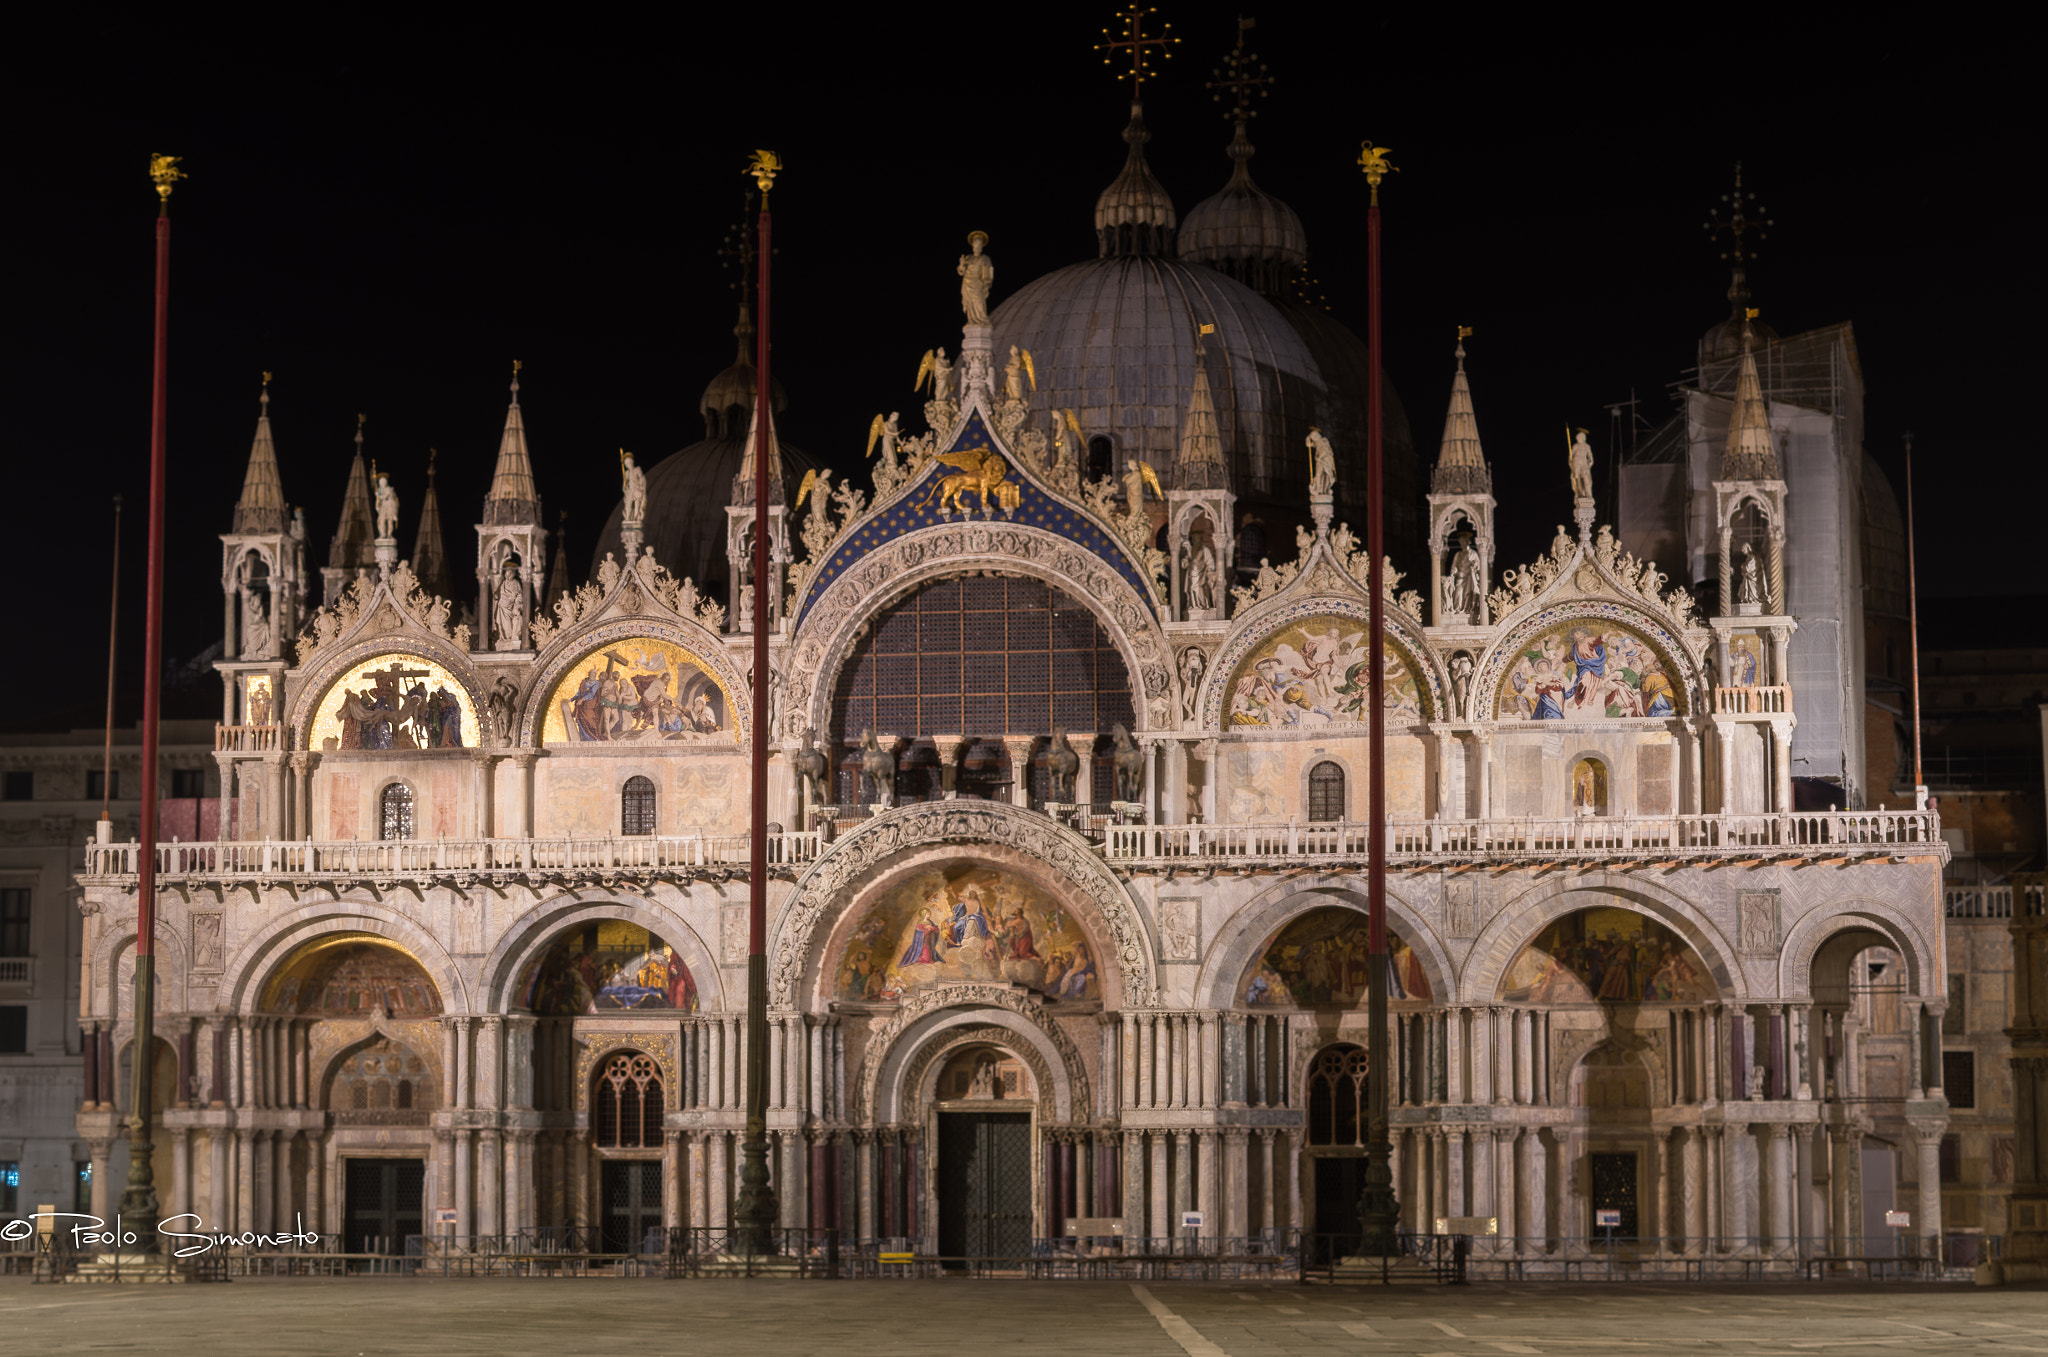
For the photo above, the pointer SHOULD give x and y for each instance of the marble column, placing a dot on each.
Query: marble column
(1157, 1225)
(1183, 1181)
(1483, 739)
(1269, 1181)
(1505, 1188)
(218, 1140)
(1927, 1220)
(1211, 772)
(1694, 1218)
(1018, 747)
(1781, 1186)
(1134, 1184)
(1660, 1154)
(1234, 1199)
(1536, 1173)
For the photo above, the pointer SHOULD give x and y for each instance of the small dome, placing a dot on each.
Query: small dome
(1134, 215)
(1723, 342)
(728, 400)
(1244, 231)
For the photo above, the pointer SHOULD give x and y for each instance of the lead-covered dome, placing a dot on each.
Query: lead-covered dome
(1244, 231)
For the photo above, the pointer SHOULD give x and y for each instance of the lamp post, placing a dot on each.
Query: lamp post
(1378, 1211)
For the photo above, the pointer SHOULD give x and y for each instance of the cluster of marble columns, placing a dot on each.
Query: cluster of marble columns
(1471, 1055)
(1245, 1180)
(1200, 1059)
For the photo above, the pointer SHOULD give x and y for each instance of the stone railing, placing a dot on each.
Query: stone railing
(1977, 902)
(396, 859)
(1588, 838)
(1752, 701)
(247, 739)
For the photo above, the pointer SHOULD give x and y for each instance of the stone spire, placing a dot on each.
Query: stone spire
(512, 498)
(1461, 464)
(743, 481)
(429, 551)
(1134, 215)
(1750, 455)
(261, 509)
(558, 577)
(1199, 464)
(350, 548)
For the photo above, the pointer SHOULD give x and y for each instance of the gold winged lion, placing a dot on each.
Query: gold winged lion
(980, 470)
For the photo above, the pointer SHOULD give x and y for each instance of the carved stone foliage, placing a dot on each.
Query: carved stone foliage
(648, 581)
(1606, 569)
(372, 607)
(925, 1002)
(834, 619)
(1338, 566)
(836, 873)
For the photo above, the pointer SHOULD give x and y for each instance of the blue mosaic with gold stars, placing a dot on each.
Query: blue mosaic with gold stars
(919, 508)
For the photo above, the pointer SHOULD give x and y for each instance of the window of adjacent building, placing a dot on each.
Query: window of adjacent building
(1959, 1078)
(395, 803)
(636, 810)
(82, 1195)
(14, 908)
(188, 782)
(20, 785)
(1326, 792)
(1955, 1022)
(14, 1029)
(1951, 1159)
(10, 1186)
(97, 784)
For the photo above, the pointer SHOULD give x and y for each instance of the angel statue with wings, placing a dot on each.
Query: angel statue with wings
(1016, 371)
(885, 431)
(817, 487)
(935, 366)
(1138, 478)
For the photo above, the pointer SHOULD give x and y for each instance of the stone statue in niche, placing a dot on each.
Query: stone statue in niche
(508, 609)
(386, 509)
(255, 626)
(1193, 665)
(1580, 459)
(1322, 467)
(1756, 1083)
(977, 275)
(982, 1083)
(1461, 681)
(1749, 578)
(1462, 584)
(499, 707)
(1200, 572)
(1062, 766)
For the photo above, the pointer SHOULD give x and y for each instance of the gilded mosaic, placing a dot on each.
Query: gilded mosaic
(643, 690)
(1606, 956)
(352, 975)
(605, 967)
(1579, 671)
(395, 702)
(1313, 673)
(967, 924)
(1322, 958)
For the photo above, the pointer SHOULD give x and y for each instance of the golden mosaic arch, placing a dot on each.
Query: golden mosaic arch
(395, 701)
(639, 690)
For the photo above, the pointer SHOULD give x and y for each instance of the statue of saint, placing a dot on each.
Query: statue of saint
(1581, 459)
(1461, 586)
(1461, 679)
(1202, 577)
(387, 509)
(1749, 587)
(1322, 465)
(1192, 666)
(634, 483)
(255, 627)
(977, 275)
(508, 609)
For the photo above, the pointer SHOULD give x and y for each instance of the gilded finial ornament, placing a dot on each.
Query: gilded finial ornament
(164, 172)
(1751, 313)
(1464, 332)
(266, 379)
(1745, 221)
(764, 167)
(1373, 160)
(516, 365)
(1243, 76)
(1135, 42)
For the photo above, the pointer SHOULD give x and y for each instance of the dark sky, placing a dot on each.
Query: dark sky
(385, 215)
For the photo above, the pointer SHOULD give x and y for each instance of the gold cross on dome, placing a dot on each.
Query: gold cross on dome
(1243, 75)
(1135, 42)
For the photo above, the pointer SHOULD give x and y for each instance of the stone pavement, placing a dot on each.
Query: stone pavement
(376, 1317)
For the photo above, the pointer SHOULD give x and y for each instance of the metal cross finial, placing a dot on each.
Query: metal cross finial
(1244, 75)
(1739, 224)
(738, 250)
(1135, 42)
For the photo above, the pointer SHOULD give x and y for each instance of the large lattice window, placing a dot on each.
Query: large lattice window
(629, 1103)
(977, 658)
(1336, 1096)
(636, 806)
(395, 803)
(1326, 792)
(383, 1083)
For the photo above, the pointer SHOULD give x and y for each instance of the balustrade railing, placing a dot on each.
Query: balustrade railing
(1589, 836)
(247, 739)
(1977, 902)
(1773, 700)
(428, 857)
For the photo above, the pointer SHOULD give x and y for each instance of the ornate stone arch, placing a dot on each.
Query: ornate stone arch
(1804, 939)
(906, 1051)
(1402, 634)
(172, 961)
(325, 1060)
(1494, 661)
(1521, 919)
(873, 852)
(537, 928)
(569, 649)
(243, 978)
(601, 1046)
(330, 664)
(842, 613)
(1237, 943)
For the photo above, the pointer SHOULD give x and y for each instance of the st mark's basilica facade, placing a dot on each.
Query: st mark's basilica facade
(1068, 767)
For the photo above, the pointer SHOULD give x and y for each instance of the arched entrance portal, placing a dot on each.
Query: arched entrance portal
(982, 1175)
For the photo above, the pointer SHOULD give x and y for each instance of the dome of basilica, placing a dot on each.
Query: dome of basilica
(1244, 231)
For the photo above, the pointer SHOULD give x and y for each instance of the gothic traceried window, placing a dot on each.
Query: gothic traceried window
(637, 807)
(1336, 1096)
(629, 1103)
(396, 806)
(1326, 792)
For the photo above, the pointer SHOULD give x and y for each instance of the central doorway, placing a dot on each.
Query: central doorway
(984, 1184)
(1339, 1181)
(632, 1204)
(1614, 1189)
(384, 1201)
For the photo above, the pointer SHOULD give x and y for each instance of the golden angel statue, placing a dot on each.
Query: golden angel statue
(934, 365)
(885, 431)
(1138, 478)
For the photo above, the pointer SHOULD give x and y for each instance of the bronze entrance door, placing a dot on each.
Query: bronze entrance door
(984, 1184)
(1614, 1189)
(632, 1204)
(382, 1204)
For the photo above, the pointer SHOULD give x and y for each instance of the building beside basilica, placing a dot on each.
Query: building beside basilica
(1066, 910)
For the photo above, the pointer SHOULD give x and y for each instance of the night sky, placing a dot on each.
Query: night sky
(387, 215)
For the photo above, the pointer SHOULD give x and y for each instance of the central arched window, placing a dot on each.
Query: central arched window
(628, 1103)
(1326, 792)
(636, 806)
(1336, 1096)
(395, 806)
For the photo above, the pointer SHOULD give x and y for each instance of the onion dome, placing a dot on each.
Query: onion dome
(1724, 341)
(1244, 231)
(728, 400)
(1134, 215)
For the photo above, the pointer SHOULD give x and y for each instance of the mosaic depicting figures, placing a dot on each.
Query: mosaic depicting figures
(1323, 958)
(352, 975)
(1579, 672)
(967, 924)
(1607, 956)
(1314, 673)
(606, 967)
(638, 691)
(1745, 659)
(395, 702)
